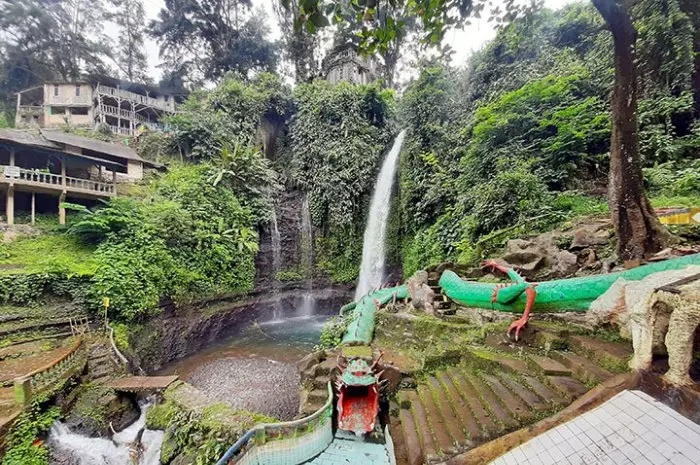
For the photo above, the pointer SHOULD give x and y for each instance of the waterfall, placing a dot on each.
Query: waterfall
(373, 254)
(101, 451)
(276, 241)
(308, 305)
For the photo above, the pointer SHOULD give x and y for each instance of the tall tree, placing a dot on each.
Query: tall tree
(639, 231)
(300, 46)
(216, 36)
(65, 36)
(130, 54)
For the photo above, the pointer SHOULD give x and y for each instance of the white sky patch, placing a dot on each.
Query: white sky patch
(464, 42)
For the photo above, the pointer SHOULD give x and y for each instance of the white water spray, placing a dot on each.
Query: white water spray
(118, 451)
(308, 304)
(373, 253)
(276, 240)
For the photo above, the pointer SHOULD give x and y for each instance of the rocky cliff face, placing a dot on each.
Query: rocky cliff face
(177, 334)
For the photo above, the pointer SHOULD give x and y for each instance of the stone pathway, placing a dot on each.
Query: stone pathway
(631, 428)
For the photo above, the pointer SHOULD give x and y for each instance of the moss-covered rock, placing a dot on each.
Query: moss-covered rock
(98, 406)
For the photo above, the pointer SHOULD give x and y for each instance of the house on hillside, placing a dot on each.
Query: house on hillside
(343, 63)
(39, 170)
(122, 106)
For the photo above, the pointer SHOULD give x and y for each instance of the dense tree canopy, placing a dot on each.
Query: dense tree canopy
(214, 37)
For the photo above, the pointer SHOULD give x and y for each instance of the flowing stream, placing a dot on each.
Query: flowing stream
(373, 253)
(122, 449)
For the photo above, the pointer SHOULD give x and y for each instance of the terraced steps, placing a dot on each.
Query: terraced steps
(458, 408)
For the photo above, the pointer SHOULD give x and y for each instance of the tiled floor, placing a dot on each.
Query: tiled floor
(630, 429)
(343, 451)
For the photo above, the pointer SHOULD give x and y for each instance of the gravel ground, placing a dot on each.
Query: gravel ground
(256, 384)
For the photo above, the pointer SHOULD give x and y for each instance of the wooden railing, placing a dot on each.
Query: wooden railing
(43, 380)
(40, 178)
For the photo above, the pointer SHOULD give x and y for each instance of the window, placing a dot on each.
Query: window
(55, 91)
(167, 98)
(79, 111)
(57, 110)
(77, 91)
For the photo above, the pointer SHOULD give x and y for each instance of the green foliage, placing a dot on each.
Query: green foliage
(337, 139)
(4, 120)
(333, 331)
(511, 146)
(670, 179)
(187, 238)
(50, 253)
(228, 115)
(28, 426)
(335, 142)
(339, 256)
(288, 275)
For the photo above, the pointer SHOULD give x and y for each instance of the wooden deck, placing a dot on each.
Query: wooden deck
(141, 383)
(37, 181)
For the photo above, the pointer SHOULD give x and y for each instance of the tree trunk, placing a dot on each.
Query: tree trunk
(639, 232)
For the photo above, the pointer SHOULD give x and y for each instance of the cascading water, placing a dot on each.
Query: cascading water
(120, 450)
(276, 241)
(373, 254)
(308, 304)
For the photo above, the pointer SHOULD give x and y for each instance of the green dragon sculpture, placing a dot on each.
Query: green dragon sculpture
(565, 295)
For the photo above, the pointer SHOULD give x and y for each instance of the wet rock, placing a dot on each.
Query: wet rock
(186, 458)
(98, 407)
(393, 377)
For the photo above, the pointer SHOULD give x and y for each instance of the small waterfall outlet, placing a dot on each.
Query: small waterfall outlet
(276, 241)
(373, 253)
(308, 305)
(134, 441)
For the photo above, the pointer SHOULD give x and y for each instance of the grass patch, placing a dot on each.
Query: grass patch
(50, 253)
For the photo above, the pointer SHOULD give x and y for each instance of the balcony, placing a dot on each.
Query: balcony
(136, 98)
(48, 182)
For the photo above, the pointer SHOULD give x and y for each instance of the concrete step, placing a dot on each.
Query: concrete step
(320, 382)
(482, 416)
(549, 366)
(543, 391)
(438, 427)
(451, 420)
(324, 368)
(524, 392)
(513, 365)
(412, 443)
(568, 388)
(420, 418)
(491, 402)
(318, 396)
(612, 356)
(460, 409)
(513, 404)
(582, 368)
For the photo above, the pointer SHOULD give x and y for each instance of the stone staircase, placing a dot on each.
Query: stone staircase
(443, 304)
(457, 408)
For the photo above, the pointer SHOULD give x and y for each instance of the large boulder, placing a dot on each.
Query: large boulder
(590, 235)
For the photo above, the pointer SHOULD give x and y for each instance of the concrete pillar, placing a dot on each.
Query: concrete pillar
(33, 207)
(61, 210)
(23, 391)
(63, 171)
(12, 156)
(10, 205)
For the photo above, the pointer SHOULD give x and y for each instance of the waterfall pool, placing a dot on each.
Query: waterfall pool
(255, 369)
